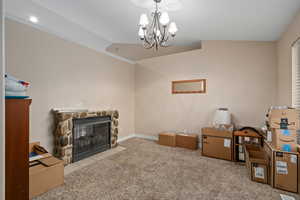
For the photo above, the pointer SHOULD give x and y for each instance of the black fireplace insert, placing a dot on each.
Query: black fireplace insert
(90, 136)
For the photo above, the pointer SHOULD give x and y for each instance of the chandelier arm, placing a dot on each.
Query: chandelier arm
(149, 42)
(150, 46)
(163, 36)
(156, 43)
(153, 21)
(167, 38)
(160, 27)
(145, 37)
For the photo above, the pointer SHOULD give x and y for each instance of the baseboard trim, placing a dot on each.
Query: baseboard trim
(122, 139)
(147, 137)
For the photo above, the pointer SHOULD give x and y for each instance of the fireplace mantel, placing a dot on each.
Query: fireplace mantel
(64, 129)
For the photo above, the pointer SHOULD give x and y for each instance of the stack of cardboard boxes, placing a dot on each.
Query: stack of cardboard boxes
(283, 150)
(284, 124)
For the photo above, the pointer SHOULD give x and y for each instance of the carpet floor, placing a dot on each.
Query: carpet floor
(148, 171)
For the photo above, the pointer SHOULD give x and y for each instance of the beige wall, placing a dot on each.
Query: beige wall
(285, 62)
(240, 76)
(63, 75)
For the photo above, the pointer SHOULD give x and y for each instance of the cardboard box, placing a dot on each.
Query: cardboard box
(217, 143)
(286, 171)
(167, 139)
(46, 174)
(298, 169)
(189, 141)
(257, 163)
(284, 119)
(281, 181)
(285, 140)
(270, 155)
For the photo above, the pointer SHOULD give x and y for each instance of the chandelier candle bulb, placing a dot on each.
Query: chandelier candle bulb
(173, 29)
(144, 20)
(158, 33)
(141, 33)
(164, 19)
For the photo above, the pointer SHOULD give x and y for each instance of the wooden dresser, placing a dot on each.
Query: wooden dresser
(16, 149)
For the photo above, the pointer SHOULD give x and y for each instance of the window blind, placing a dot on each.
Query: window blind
(296, 75)
(296, 79)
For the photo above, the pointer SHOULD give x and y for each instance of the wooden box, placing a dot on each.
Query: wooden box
(189, 141)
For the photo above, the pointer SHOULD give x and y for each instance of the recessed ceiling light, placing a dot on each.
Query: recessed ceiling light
(33, 19)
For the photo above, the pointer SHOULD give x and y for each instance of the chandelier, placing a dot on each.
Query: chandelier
(157, 33)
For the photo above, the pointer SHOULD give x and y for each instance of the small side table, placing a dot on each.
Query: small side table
(241, 138)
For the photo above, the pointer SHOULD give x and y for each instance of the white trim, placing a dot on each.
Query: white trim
(147, 137)
(122, 139)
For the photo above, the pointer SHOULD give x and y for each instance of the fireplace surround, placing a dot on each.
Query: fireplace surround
(65, 122)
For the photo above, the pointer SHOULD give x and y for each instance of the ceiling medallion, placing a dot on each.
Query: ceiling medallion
(157, 33)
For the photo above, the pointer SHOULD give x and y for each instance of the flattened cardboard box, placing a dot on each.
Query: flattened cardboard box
(187, 141)
(284, 119)
(45, 176)
(167, 139)
(285, 140)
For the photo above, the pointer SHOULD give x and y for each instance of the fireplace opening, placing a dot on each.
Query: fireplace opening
(90, 136)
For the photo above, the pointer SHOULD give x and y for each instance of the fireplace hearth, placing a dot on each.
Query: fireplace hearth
(90, 136)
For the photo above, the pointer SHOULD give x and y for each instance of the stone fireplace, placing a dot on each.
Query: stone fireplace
(80, 134)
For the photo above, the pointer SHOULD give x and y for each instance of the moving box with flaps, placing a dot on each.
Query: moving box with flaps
(217, 143)
(284, 119)
(270, 155)
(167, 139)
(283, 169)
(285, 140)
(257, 163)
(286, 171)
(188, 141)
(45, 173)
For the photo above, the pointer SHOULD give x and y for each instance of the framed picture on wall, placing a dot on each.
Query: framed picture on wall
(189, 86)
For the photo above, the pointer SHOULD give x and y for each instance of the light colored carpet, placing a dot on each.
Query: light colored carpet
(148, 171)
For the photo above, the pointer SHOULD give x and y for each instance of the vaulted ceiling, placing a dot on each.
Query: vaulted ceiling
(99, 24)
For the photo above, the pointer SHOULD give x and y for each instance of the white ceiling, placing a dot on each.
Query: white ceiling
(115, 21)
